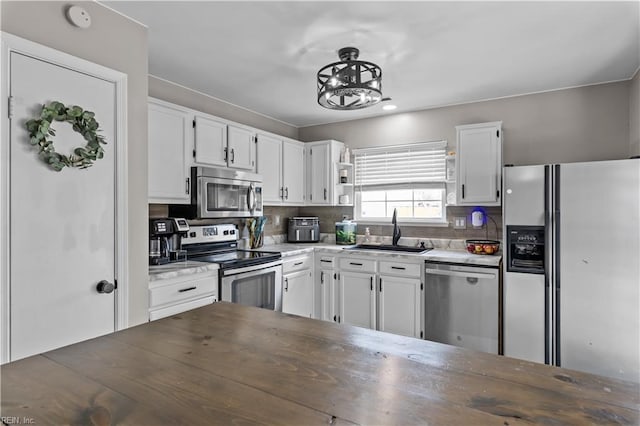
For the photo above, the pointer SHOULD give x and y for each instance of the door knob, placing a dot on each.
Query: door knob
(105, 286)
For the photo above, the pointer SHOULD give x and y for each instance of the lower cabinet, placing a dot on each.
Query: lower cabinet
(297, 286)
(400, 305)
(175, 295)
(326, 287)
(357, 299)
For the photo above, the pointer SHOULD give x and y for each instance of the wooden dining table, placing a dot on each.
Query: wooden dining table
(230, 364)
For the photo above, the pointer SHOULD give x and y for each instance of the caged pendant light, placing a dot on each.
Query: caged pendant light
(349, 84)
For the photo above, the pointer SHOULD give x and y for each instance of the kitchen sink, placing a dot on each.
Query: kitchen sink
(389, 247)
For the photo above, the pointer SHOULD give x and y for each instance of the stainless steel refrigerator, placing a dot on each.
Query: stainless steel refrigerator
(572, 271)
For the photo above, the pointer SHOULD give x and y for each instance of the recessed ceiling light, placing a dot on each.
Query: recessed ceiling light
(389, 107)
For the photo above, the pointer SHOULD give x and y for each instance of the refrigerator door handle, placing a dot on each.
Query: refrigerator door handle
(548, 264)
(555, 313)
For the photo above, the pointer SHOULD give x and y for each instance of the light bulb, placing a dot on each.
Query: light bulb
(389, 107)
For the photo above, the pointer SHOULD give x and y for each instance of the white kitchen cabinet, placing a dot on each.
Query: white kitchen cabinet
(357, 299)
(322, 157)
(219, 144)
(281, 164)
(399, 301)
(210, 144)
(298, 286)
(293, 176)
(170, 135)
(479, 164)
(241, 148)
(326, 287)
(175, 295)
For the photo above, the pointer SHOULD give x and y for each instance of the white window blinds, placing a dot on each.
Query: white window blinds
(401, 164)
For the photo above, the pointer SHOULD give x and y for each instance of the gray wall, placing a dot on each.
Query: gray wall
(171, 92)
(581, 124)
(118, 43)
(634, 116)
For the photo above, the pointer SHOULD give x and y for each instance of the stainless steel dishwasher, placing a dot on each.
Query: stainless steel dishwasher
(462, 306)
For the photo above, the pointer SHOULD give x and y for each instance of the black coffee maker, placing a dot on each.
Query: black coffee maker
(165, 240)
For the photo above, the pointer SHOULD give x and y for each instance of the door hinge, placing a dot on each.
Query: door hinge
(194, 124)
(12, 104)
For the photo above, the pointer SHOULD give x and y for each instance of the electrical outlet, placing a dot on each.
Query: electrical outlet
(459, 222)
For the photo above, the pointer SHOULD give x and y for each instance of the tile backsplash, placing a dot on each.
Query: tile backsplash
(277, 218)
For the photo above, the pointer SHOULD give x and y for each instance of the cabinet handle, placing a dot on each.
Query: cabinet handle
(355, 263)
(226, 154)
(233, 155)
(334, 318)
(371, 281)
(398, 267)
(325, 193)
(286, 193)
(325, 261)
(298, 263)
(286, 284)
(321, 277)
(463, 190)
(380, 284)
(187, 186)
(182, 290)
(281, 192)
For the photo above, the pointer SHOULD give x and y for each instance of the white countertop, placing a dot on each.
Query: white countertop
(173, 270)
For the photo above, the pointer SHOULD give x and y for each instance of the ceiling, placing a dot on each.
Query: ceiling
(264, 55)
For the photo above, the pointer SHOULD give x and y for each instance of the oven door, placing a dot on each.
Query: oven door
(257, 285)
(219, 197)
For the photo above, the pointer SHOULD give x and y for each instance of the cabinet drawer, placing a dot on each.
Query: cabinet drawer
(401, 269)
(326, 262)
(364, 265)
(297, 264)
(183, 290)
(156, 314)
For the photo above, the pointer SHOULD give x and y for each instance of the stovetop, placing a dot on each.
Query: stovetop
(236, 258)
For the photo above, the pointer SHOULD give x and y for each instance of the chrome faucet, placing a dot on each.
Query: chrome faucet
(396, 229)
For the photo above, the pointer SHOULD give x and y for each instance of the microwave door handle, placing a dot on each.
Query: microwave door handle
(251, 198)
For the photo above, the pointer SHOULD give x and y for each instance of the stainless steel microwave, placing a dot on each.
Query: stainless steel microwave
(221, 193)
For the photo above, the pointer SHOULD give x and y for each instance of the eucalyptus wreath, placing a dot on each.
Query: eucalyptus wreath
(82, 121)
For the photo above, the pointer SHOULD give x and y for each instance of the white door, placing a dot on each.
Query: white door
(242, 148)
(358, 299)
(270, 167)
(170, 133)
(399, 301)
(210, 142)
(297, 296)
(293, 172)
(61, 224)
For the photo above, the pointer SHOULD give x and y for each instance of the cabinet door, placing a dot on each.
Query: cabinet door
(170, 133)
(297, 295)
(269, 159)
(242, 149)
(400, 301)
(210, 142)
(293, 172)
(325, 295)
(358, 299)
(318, 174)
(479, 165)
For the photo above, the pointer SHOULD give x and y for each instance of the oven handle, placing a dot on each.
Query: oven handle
(250, 270)
(460, 274)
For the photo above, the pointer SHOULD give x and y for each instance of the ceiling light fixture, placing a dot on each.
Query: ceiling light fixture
(349, 84)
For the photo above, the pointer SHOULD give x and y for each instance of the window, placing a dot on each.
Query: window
(408, 178)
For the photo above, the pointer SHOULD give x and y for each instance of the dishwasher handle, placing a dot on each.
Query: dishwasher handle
(482, 275)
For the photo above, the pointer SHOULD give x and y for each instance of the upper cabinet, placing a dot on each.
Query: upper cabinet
(170, 136)
(479, 164)
(322, 173)
(281, 164)
(219, 144)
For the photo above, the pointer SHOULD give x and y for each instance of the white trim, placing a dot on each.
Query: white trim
(11, 43)
(417, 145)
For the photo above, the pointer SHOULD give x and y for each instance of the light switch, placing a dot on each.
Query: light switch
(459, 222)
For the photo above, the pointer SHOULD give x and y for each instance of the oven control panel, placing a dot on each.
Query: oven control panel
(210, 234)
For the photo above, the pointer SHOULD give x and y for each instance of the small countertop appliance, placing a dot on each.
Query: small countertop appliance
(165, 240)
(303, 230)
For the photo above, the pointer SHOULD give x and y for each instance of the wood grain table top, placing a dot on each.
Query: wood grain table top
(230, 364)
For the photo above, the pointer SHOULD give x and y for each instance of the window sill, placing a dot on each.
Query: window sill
(438, 224)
